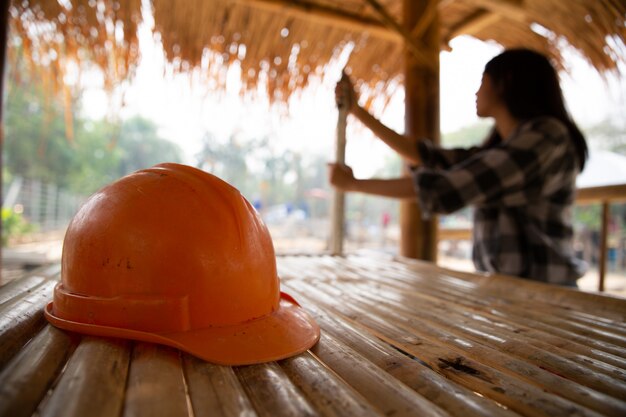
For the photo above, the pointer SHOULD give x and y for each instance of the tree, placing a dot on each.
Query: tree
(36, 145)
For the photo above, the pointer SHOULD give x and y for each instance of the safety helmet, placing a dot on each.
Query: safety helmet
(174, 255)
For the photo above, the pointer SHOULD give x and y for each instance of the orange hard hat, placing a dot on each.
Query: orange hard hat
(174, 255)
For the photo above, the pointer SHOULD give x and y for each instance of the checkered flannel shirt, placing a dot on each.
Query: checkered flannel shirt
(522, 189)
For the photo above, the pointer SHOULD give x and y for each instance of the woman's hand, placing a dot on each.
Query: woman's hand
(341, 177)
(344, 93)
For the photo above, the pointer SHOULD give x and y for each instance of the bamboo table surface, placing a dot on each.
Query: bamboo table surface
(399, 338)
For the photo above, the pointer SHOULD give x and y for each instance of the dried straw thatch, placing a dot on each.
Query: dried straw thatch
(281, 43)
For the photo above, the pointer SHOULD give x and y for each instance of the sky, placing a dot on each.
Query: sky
(185, 110)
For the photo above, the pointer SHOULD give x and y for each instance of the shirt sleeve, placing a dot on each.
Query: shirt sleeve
(433, 156)
(510, 174)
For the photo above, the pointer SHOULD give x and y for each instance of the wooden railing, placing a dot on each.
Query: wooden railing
(604, 195)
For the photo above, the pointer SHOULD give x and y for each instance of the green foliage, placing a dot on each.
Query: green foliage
(607, 135)
(36, 145)
(13, 225)
(468, 136)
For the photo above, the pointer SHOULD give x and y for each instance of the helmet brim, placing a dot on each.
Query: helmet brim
(286, 332)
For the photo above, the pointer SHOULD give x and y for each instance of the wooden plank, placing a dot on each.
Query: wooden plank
(215, 390)
(156, 385)
(27, 378)
(329, 394)
(415, 374)
(462, 361)
(272, 393)
(93, 382)
(21, 319)
(384, 392)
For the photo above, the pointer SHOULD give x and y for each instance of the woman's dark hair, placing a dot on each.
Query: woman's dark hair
(529, 86)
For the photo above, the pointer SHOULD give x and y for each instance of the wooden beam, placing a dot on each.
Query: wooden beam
(327, 15)
(511, 9)
(600, 194)
(410, 42)
(473, 24)
(425, 19)
(418, 238)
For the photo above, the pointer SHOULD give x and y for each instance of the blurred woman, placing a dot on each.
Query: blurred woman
(521, 181)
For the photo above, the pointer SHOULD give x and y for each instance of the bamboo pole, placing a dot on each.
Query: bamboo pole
(338, 213)
(418, 238)
(604, 237)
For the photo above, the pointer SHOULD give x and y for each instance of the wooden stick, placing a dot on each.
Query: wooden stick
(338, 213)
(604, 238)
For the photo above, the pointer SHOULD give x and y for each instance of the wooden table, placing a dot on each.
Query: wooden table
(399, 338)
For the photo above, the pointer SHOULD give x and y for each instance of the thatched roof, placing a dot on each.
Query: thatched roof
(280, 43)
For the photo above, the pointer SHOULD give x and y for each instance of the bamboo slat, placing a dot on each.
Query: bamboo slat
(20, 321)
(272, 393)
(93, 383)
(16, 288)
(504, 343)
(445, 357)
(215, 390)
(459, 313)
(399, 338)
(155, 383)
(384, 392)
(471, 296)
(26, 379)
(413, 373)
(328, 394)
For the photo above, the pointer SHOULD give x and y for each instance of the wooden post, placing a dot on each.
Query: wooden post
(4, 29)
(604, 237)
(338, 213)
(418, 237)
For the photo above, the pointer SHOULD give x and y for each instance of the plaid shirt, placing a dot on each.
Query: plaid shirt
(522, 189)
